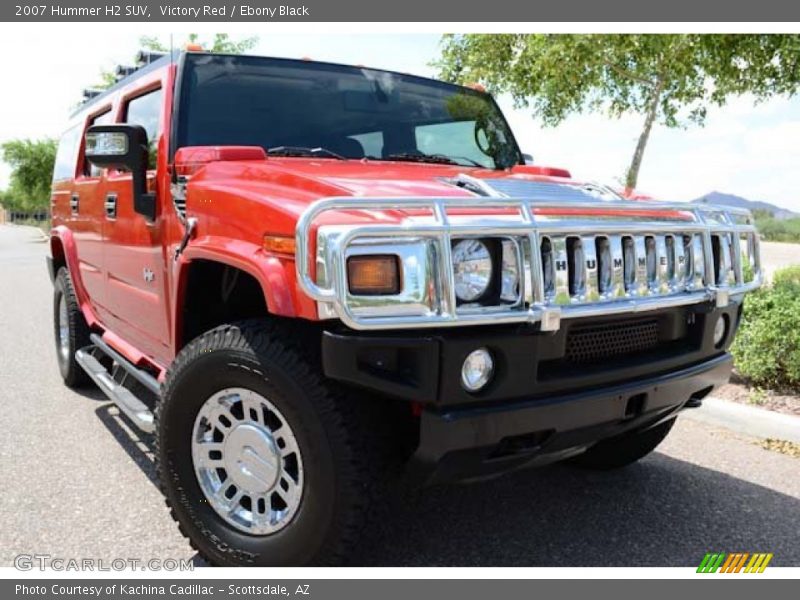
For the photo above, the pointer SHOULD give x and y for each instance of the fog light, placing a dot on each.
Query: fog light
(477, 370)
(720, 330)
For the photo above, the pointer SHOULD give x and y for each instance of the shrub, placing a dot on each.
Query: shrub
(767, 347)
(778, 230)
(787, 279)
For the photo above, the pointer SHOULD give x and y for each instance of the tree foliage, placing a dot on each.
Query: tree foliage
(31, 163)
(669, 79)
(221, 42)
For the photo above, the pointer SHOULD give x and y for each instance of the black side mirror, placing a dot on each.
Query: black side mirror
(124, 146)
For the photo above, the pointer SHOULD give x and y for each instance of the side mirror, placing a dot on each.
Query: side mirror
(528, 158)
(124, 146)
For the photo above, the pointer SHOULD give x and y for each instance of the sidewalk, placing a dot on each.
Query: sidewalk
(26, 233)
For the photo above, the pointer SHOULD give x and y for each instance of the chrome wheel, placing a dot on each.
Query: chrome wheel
(63, 328)
(247, 461)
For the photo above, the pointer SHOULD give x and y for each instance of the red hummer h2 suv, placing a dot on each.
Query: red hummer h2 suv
(307, 279)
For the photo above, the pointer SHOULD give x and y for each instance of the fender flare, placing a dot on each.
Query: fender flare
(63, 250)
(276, 276)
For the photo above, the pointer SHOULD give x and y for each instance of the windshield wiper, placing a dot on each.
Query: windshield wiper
(472, 162)
(439, 159)
(303, 151)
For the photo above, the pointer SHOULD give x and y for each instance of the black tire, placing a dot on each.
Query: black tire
(624, 450)
(341, 470)
(77, 331)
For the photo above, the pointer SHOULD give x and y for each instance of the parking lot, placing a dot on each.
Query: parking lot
(79, 482)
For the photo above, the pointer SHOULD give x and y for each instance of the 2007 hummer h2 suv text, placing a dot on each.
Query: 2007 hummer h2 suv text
(307, 279)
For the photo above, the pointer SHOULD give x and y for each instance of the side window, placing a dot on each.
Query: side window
(103, 119)
(145, 110)
(66, 154)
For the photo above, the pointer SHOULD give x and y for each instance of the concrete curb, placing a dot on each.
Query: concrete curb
(756, 422)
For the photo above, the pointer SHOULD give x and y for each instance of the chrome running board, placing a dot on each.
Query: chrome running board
(136, 410)
(147, 380)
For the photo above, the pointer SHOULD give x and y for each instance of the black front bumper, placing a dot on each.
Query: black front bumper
(548, 398)
(478, 442)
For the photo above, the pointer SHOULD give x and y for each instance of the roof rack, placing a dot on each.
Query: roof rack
(143, 60)
(90, 93)
(122, 71)
(145, 57)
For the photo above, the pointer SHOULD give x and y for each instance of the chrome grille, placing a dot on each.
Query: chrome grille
(580, 269)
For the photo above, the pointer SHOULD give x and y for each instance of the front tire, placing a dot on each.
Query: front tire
(624, 450)
(249, 393)
(70, 330)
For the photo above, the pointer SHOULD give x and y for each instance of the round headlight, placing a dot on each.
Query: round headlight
(472, 266)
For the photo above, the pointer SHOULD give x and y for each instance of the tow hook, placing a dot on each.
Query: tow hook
(188, 232)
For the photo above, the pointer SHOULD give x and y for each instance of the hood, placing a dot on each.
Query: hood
(288, 185)
(365, 178)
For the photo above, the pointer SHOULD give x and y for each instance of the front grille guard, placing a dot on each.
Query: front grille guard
(574, 219)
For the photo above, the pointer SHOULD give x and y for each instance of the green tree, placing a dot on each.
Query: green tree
(668, 79)
(221, 42)
(31, 163)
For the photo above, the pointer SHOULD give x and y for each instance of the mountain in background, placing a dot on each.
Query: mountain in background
(739, 202)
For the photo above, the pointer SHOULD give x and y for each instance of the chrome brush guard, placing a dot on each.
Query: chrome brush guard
(573, 259)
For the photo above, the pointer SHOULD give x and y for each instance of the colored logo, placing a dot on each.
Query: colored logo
(737, 562)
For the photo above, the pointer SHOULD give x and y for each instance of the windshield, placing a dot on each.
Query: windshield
(292, 107)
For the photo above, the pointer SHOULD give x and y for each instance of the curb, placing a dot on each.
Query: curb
(755, 422)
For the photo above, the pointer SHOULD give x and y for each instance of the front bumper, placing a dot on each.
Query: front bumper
(478, 442)
(540, 406)
(425, 366)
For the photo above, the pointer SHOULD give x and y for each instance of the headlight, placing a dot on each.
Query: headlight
(472, 267)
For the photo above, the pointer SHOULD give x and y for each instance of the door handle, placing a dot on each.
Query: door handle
(111, 206)
(73, 204)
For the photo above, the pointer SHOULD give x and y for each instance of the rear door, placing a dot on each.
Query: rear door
(86, 213)
(135, 264)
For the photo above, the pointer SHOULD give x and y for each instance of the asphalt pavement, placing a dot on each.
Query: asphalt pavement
(78, 481)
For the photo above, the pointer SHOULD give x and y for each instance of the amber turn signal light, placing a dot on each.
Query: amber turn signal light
(279, 244)
(376, 275)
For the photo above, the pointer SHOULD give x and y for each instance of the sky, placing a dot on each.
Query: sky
(744, 149)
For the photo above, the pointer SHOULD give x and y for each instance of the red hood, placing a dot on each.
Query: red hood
(364, 177)
(289, 185)
(393, 179)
